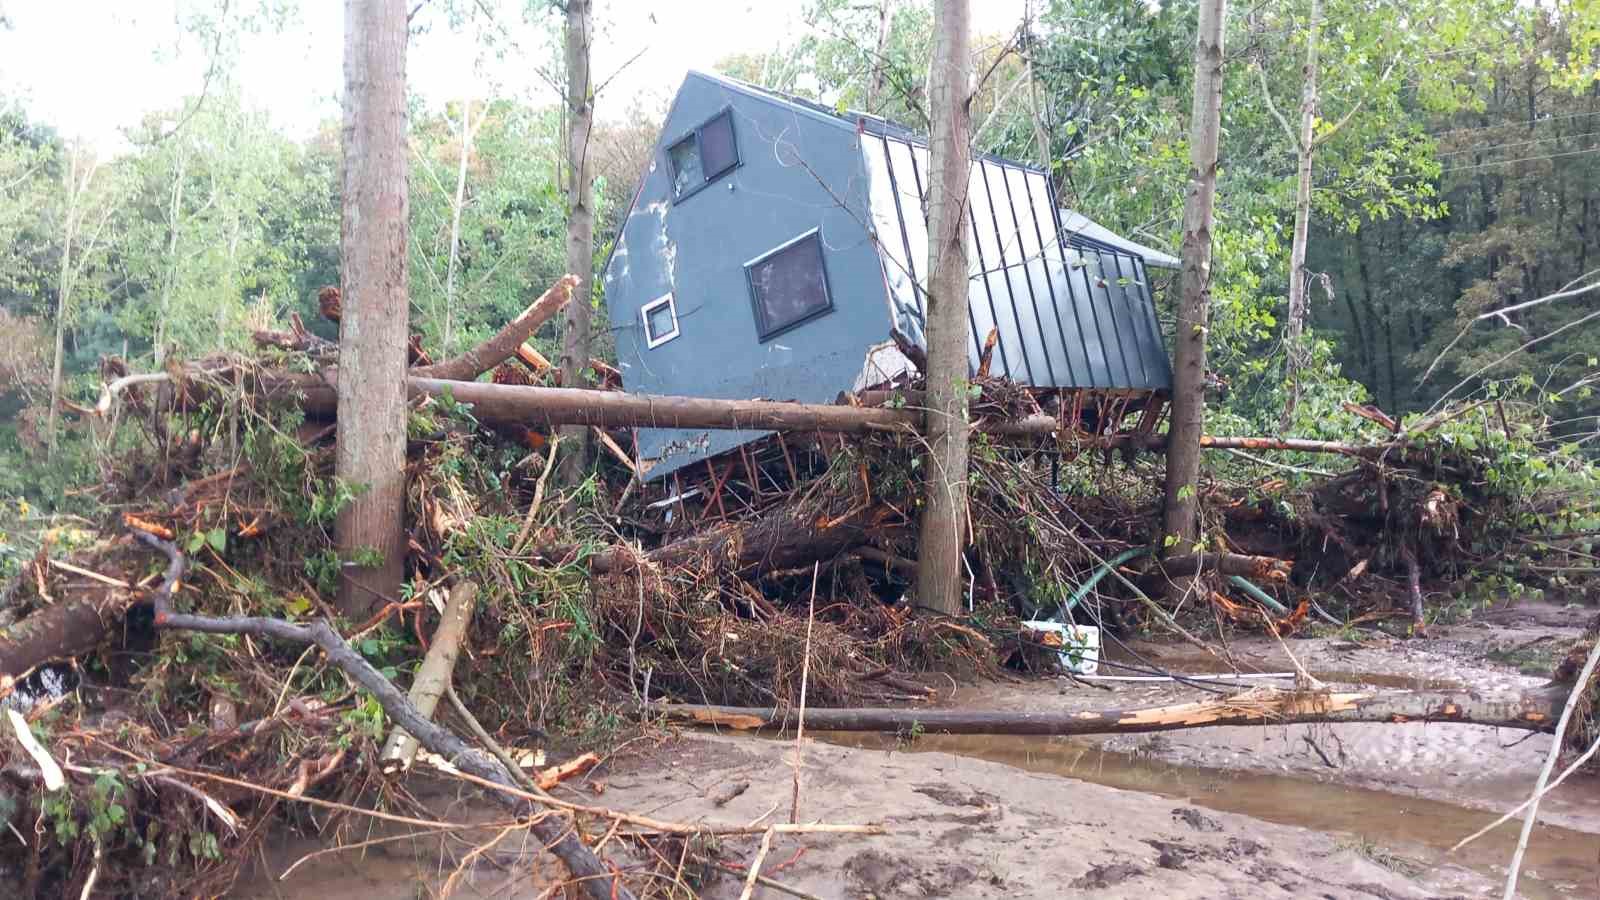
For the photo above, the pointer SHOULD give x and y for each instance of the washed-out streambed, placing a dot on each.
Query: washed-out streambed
(1355, 810)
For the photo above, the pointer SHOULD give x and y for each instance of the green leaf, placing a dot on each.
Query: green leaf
(195, 542)
(218, 539)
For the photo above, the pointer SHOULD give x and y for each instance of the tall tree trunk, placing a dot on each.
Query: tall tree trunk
(455, 222)
(580, 225)
(950, 165)
(372, 335)
(174, 214)
(76, 184)
(875, 85)
(1297, 354)
(1194, 306)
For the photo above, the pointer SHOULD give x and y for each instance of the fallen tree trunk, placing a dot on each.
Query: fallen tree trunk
(786, 538)
(545, 406)
(1262, 706)
(60, 631)
(550, 407)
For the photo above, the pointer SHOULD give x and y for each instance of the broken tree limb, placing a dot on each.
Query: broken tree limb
(434, 674)
(504, 345)
(1260, 568)
(596, 880)
(1262, 706)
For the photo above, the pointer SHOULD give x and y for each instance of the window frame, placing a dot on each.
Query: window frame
(695, 134)
(765, 331)
(652, 340)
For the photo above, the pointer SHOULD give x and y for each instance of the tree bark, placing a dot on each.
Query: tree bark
(1264, 706)
(373, 327)
(580, 227)
(1194, 306)
(1299, 304)
(942, 533)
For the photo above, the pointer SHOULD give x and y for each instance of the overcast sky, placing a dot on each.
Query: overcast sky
(92, 67)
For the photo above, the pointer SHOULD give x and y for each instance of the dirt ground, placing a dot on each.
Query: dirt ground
(1303, 811)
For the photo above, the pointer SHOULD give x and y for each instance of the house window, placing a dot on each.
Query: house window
(703, 155)
(660, 321)
(789, 285)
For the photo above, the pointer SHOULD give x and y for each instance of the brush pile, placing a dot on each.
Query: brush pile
(177, 749)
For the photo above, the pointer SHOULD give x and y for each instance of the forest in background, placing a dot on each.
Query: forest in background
(1454, 173)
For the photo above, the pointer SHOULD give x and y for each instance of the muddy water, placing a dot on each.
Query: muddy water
(1559, 862)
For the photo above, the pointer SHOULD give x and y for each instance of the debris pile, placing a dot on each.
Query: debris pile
(186, 671)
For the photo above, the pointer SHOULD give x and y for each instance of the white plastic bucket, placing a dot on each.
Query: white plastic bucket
(1080, 645)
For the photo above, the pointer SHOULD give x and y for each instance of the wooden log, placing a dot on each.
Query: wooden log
(65, 629)
(785, 538)
(434, 674)
(504, 344)
(1534, 711)
(1260, 568)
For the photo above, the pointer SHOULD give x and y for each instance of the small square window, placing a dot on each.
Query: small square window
(789, 285)
(703, 155)
(660, 321)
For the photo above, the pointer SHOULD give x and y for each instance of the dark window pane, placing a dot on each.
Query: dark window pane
(789, 286)
(660, 322)
(718, 153)
(686, 172)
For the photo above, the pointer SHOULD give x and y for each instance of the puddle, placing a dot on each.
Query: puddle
(1560, 862)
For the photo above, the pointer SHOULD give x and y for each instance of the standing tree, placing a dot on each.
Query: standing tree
(950, 163)
(1194, 306)
(80, 213)
(372, 333)
(580, 223)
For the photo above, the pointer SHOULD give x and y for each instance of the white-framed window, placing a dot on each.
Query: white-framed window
(660, 318)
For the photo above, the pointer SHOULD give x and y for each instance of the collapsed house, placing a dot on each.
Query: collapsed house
(774, 245)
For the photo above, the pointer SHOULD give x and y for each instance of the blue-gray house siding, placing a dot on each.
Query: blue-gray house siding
(802, 169)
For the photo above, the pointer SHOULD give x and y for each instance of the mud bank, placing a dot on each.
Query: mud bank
(1324, 811)
(957, 827)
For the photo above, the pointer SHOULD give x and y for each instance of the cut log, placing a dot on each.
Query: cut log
(1535, 711)
(434, 674)
(505, 344)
